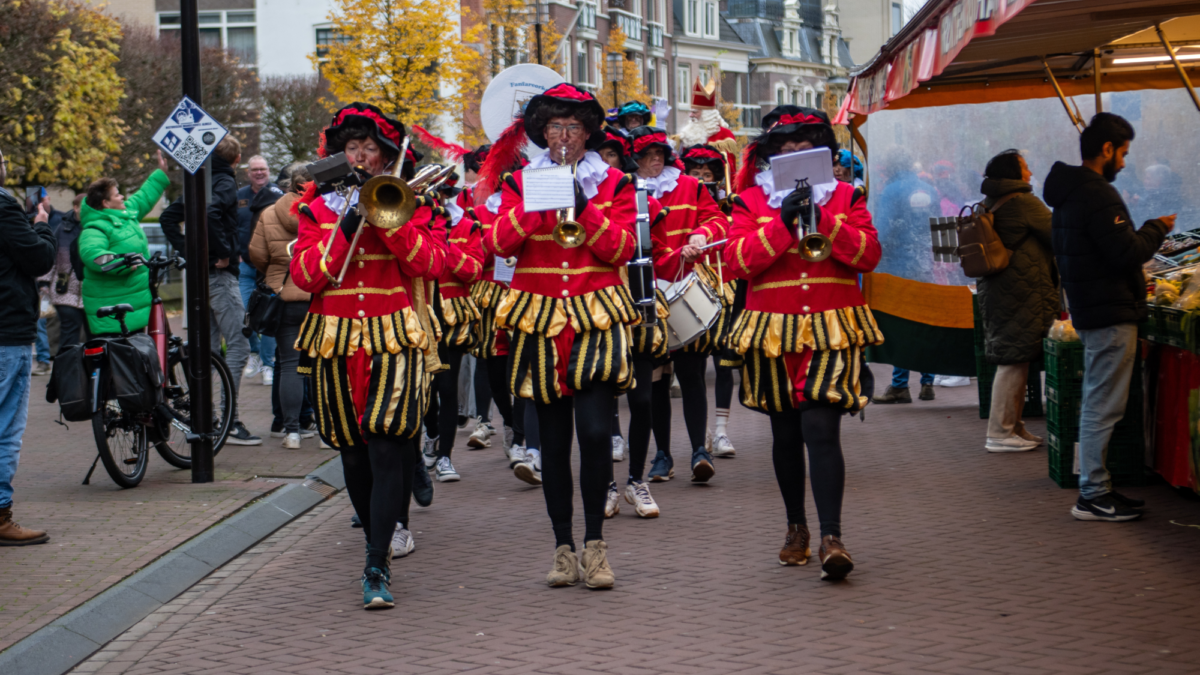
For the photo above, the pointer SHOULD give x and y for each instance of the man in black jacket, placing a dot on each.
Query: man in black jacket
(26, 252)
(225, 298)
(1100, 257)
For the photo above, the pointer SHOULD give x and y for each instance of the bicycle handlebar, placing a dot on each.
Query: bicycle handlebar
(157, 262)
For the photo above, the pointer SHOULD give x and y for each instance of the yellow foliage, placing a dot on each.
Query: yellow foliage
(630, 88)
(401, 55)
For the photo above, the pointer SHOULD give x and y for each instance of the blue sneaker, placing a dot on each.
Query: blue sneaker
(662, 469)
(702, 465)
(375, 589)
(423, 486)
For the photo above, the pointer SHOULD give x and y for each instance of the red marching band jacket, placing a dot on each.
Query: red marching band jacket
(691, 210)
(464, 266)
(801, 310)
(557, 293)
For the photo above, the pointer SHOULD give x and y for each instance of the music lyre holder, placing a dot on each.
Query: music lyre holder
(641, 268)
(943, 233)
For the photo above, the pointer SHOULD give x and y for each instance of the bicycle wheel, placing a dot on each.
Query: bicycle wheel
(175, 449)
(121, 440)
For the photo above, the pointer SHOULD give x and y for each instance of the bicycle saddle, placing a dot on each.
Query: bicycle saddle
(116, 310)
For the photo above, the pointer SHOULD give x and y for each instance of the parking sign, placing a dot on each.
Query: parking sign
(189, 135)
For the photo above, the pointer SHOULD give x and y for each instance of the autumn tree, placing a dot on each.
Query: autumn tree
(150, 66)
(511, 36)
(630, 88)
(59, 90)
(295, 108)
(401, 55)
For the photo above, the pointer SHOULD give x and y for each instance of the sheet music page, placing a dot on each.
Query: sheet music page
(504, 273)
(815, 165)
(548, 189)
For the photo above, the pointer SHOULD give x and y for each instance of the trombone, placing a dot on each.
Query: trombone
(568, 233)
(814, 246)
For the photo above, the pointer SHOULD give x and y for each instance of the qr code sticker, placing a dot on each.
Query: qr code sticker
(190, 154)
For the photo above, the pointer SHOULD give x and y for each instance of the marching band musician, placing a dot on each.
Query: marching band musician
(369, 339)
(459, 319)
(693, 221)
(805, 325)
(568, 309)
(631, 115)
(707, 165)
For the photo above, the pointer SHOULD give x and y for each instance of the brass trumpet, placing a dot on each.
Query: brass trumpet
(814, 246)
(568, 233)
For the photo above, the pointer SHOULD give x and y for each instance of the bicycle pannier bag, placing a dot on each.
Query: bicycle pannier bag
(980, 251)
(70, 386)
(135, 376)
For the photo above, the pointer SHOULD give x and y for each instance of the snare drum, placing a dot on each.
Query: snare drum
(694, 309)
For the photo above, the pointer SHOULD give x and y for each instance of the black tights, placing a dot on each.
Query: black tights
(379, 479)
(690, 369)
(818, 428)
(660, 413)
(483, 390)
(724, 385)
(443, 402)
(533, 436)
(641, 416)
(591, 411)
(497, 372)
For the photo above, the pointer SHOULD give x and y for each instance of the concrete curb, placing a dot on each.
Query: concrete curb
(57, 648)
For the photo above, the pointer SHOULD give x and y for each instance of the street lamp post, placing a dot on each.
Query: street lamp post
(615, 73)
(199, 345)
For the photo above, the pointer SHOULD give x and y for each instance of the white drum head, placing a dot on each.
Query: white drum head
(508, 92)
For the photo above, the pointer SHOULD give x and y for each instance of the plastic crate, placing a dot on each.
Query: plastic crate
(1171, 323)
(1064, 360)
(1125, 461)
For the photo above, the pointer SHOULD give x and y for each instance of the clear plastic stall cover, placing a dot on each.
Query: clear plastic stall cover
(929, 162)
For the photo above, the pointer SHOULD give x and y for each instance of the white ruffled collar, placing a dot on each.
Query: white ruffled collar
(822, 192)
(663, 182)
(590, 172)
(456, 212)
(493, 202)
(335, 202)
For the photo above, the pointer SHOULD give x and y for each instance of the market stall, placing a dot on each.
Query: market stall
(967, 78)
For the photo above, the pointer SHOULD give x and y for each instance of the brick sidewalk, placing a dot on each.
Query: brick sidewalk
(967, 562)
(99, 533)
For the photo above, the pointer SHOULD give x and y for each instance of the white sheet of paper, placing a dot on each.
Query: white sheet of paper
(816, 165)
(504, 273)
(548, 189)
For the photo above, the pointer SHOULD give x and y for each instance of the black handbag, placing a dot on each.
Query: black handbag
(264, 311)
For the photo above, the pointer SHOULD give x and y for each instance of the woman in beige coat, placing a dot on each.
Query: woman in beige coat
(276, 228)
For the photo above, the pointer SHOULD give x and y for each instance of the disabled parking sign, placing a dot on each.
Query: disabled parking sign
(189, 135)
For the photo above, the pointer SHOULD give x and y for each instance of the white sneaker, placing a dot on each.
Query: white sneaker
(1011, 444)
(445, 472)
(429, 452)
(535, 456)
(324, 445)
(253, 365)
(508, 438)
(722, 446)
(951, 381)
(612, 505)
(292, 441)
(638, 494)
(619, 446)
(708, 441)
(530, 470)
(479, 438)
(268, 376)
(402, 541)
(516, 455)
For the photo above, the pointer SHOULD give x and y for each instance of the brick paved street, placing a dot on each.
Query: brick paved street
(967, 562)
(99, 533)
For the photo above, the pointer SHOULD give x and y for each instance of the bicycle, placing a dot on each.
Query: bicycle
(123, 437)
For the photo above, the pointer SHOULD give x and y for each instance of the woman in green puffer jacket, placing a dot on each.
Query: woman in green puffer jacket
(112, 224)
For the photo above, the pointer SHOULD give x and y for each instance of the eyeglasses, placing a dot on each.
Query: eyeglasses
(574, 130)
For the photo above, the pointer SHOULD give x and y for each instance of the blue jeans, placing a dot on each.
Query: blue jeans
(900, 378)
(15, 366)
(43, 343)
(259, 344)
(1108, 355)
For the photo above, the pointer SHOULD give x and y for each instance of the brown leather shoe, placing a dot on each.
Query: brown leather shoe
(835, 560)
(893, 395)
(12, 534)
(795, 549)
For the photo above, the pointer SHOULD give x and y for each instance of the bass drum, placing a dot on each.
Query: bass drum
(694, 309)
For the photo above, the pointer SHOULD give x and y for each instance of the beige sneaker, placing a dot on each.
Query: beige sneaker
(596, 572)
(480, 438)
(612, 505)
(566, 568)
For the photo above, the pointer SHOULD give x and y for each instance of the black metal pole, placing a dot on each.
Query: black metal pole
(196, 275)
(537, 29)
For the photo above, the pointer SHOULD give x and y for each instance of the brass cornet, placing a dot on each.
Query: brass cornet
(568, 233)
(814, 246)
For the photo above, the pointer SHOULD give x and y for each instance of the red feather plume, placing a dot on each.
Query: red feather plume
(309, 196)
(749, 169)
(451, 152)
(504, 153)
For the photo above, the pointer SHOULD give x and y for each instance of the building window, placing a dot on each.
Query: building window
(581, 68)
(683, 84)
(663, 82)
(710, 19)
(897, 18)
(598, 66)
(779, 95)
(652, 79)
(691, 19)
(795, 97)
(587, 15)
(706, 74)
(641, 63)
(808, 97)
(326, 37)
(656, 35)
(233, 30)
